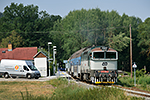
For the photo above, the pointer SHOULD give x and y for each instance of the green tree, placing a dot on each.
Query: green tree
(1, 14)
(144, 44)
(124, 55)
(18, 17)
(33, 26)
(119, 42)
(144, 37)
(15, 39)
(81, 28)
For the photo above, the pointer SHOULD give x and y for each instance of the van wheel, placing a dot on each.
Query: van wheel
(6, 75)
(13, 76)
(36, 77)
(29, 76)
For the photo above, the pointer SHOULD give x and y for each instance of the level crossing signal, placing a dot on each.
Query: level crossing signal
(134, 65)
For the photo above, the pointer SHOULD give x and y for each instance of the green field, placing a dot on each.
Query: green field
(57, 89)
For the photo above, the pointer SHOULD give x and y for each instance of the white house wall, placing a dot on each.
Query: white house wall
(41, 65)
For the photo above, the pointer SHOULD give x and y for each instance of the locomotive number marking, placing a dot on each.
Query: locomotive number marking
(104, 64)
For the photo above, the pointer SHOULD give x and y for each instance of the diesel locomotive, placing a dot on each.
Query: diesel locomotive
(96, 64)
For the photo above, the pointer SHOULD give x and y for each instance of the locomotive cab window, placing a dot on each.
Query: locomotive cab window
(111, 55)
(84, 56)
(98, 55)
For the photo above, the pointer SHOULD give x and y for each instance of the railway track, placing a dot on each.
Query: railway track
(134, 91)
(129, 91)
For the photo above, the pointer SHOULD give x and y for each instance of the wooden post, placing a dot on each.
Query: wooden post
(145, 68)
(130, 50)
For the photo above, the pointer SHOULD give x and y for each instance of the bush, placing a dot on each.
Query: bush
(144, 80)
(126, 81)
(140, 73)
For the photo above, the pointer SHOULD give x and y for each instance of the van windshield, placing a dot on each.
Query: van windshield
(32, 67)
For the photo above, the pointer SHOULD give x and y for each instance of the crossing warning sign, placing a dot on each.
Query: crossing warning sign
(134, 65)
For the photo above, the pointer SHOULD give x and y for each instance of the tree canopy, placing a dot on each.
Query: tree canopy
(144, 36)
(14, 38)
(33, 26)
(26, 26)
(1, 14)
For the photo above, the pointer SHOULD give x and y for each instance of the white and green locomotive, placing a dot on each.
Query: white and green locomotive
(95, 64)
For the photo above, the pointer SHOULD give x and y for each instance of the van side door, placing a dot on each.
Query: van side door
(25, 70)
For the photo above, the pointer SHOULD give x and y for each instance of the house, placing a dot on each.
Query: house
(26, 53)
(41, 63)
(19, 53)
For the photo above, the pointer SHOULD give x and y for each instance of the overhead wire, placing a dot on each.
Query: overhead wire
(38, 32)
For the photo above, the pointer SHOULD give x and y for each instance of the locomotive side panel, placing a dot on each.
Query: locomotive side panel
(84, 66)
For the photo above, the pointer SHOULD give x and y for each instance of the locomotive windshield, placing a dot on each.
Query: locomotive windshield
(111, 55)
(98, 55)
(104, 55)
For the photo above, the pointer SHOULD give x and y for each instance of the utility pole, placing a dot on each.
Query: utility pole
(130, 50)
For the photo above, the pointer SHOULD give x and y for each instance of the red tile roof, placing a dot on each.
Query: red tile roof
(20, 53)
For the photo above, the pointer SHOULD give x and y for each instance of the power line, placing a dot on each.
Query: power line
(39, 32)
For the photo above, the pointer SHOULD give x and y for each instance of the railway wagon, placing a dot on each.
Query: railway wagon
(96, 64)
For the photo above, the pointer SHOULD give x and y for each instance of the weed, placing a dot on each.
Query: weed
(60, 89)
(126, 81)
(142, 81)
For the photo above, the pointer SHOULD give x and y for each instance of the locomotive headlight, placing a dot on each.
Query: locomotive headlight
(100, 75)
(92, 79)
(110, 75)
(104, 48)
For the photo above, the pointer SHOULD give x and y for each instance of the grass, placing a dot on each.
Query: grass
(126, 81)
(142, 82)
(57, 89)
(13, 90)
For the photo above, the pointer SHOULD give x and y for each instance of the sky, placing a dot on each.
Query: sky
(137, 8)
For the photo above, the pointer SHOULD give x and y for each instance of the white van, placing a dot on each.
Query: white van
(18, 68)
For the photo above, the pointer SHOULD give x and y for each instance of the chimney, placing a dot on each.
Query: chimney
(9, 46)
